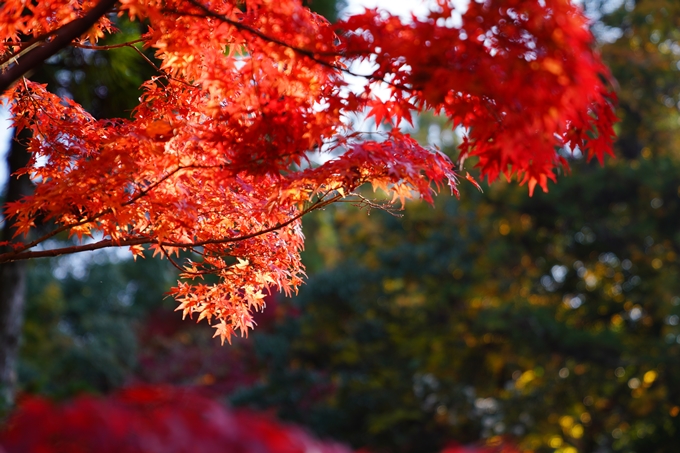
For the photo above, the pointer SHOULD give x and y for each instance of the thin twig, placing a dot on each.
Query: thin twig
(167, 255)
(109, 46)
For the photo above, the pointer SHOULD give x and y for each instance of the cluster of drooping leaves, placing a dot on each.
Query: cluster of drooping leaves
(215, 159)
(519, 76)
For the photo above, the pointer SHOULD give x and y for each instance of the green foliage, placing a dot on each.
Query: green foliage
(645, 61)
(553, 319)
(327, 8)
(80, 330)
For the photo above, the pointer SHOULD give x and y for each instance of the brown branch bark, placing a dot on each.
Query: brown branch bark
(62, 38)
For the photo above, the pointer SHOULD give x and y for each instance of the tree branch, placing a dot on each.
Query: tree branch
(19, 251)
(14, 256)
(62, 38)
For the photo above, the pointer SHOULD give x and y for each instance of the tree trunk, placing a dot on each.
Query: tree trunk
(12, 285)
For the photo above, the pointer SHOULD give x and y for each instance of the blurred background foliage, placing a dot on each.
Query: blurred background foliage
(552, 320)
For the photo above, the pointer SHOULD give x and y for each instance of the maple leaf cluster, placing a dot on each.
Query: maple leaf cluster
(520, 76)
(215, 159)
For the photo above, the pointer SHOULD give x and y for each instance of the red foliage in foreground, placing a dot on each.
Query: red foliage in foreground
(160, 419)
(149, 420)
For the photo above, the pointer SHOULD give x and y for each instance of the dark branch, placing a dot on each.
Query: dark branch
(8, 256)
(14, 256)
(62, 38)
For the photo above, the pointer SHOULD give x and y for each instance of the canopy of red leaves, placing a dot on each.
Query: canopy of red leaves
(215, 159)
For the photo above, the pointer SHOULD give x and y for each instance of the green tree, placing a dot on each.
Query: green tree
(551, 321)
(82, 321)
(645, 61)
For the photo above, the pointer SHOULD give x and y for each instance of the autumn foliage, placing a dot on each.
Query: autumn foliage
(215, 160)
(160, 419)
(149, 420)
